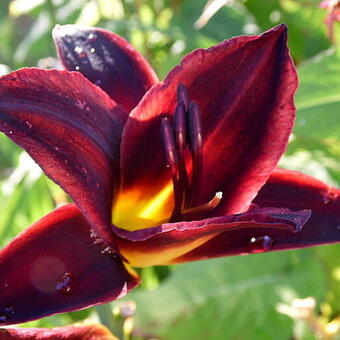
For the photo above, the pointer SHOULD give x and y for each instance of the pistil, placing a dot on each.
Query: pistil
(183, 141)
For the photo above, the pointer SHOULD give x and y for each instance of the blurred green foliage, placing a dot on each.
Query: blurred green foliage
(233, 298)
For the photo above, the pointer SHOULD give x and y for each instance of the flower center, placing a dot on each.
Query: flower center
(176, 200)
(183, 144)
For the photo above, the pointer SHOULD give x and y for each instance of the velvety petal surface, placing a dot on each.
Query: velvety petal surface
(286, 189)
(106, 59)
(57, 265)
(169, 243)
(72, 129)
(244, 87)
(76, 332)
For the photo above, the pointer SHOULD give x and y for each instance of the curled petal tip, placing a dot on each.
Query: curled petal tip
(107, 60)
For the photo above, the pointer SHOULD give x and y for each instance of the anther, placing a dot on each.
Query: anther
(196, 144)
(169, 145)
(180, 125)
(212, 204)
(172, 160)
(183, 96)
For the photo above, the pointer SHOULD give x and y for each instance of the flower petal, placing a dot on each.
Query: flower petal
(170, 243)
(244, 87)
(72, 129)
(56, 266)
(294, 190)
(76, 332)
(286, 189)
(106, 59)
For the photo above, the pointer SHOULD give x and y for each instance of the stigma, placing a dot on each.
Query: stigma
(183, 144)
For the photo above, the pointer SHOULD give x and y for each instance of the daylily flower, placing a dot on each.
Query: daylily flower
(333, 15)
(160, 172)
(74, 332)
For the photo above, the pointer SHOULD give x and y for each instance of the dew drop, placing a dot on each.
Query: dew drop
(10, 132)
(107, 250)
(56, 148)
(261, 244)
(92, 50)
(77, 68)
(81, 104)
(29, 125)
(80, 52)
(98, 82)
(92, 37)
(84, 170)
(328, 198)
(64, 284)
(6, 313)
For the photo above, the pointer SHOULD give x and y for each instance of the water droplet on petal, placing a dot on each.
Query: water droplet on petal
(80, 52)
(77, 68)
(261, 244)
(56, 148)
(29, 125)
(327, 199)
(92, 37)
(10, 132)
(6, 313)
(65, 283)
(84, 170)
(81, 104)
(107, 250)
(92, 50)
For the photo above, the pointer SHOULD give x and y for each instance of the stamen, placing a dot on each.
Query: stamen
(181, 141)
(180, 125)
(180, 122)
(212, 204)
(196, 144)
(183, 96)
(172, 160)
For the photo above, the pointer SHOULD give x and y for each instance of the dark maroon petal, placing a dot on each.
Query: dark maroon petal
(107, 60)
(72, 129)
(294, 190)
(169, 243)
(77, 332)
(286, 189)
(244, 87)
(57, 265)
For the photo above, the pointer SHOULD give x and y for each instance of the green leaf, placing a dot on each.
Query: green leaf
(24, 198)
(229, 298)
(318, 97)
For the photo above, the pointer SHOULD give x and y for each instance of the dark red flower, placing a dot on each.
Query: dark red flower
(188, 174)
